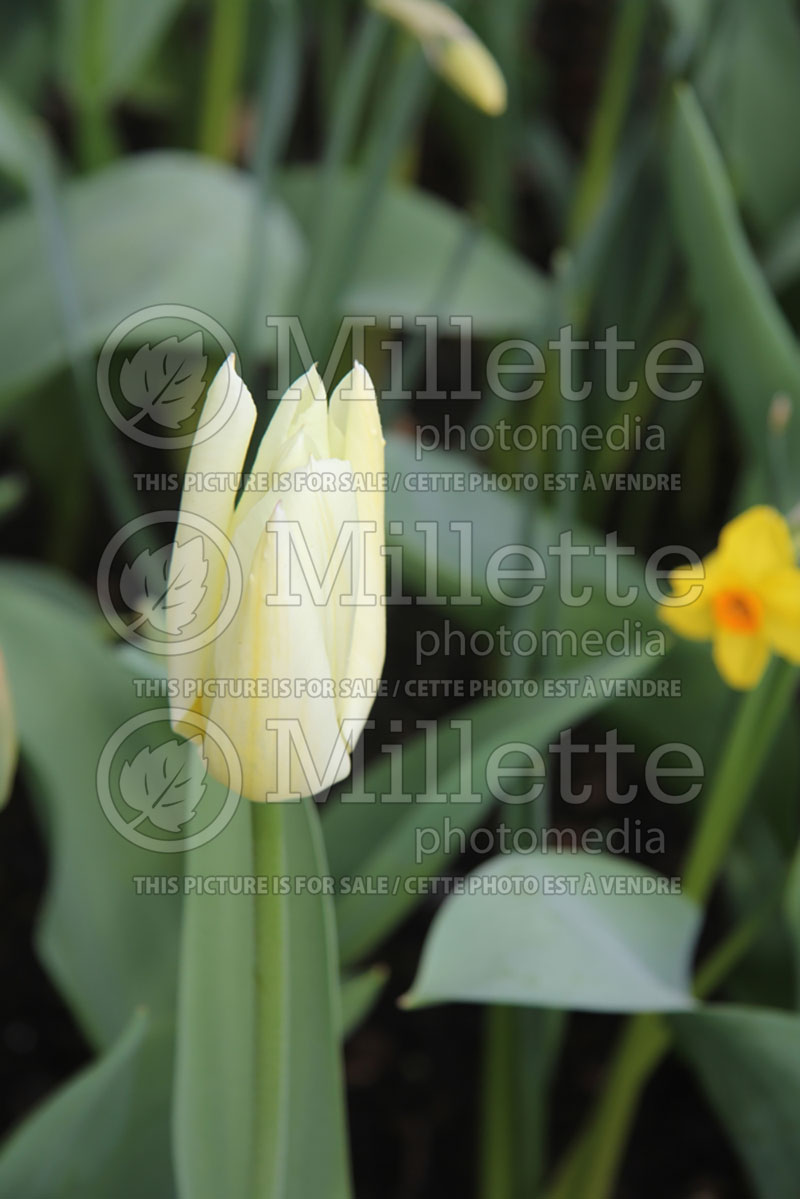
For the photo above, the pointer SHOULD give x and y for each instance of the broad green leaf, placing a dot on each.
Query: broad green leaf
(782, 256)
(749, 82)
(689, 17)
(107, 948)
(259, 1108)
(591, 950)
(175, 228)
(748, 1062)
(755, 870)
(374, 831)
(24, 149)
(409, 252)
(165, 784)
(754, 350)
(105, 1132)
(103, 43)
(465, 549)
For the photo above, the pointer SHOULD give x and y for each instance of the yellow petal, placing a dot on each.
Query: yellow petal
(688, 610)
(756, 543)
(355, 435)
(223, 453)
(741, 659)
(781, 596)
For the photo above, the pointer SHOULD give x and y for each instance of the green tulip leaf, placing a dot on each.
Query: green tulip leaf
(591, 933)
(748, 1062)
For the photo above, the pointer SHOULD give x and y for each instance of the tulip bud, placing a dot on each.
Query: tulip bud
(308, 636)
(453, 49)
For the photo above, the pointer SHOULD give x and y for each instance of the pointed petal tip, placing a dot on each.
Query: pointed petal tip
(356, 380)
(305, 389)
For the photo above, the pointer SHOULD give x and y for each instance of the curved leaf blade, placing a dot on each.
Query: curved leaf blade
(590, 948)
(754, 349)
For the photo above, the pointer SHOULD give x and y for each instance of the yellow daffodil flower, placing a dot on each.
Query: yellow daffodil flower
(744, 597)
(453, 50)
(308, 634)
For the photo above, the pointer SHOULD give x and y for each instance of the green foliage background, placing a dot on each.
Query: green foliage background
(249, 158)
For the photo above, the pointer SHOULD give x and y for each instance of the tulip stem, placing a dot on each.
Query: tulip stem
(299, 1089)
(520, 1048)
(592, 1167)
(497, 1104)
(758, 720)
(97, 142)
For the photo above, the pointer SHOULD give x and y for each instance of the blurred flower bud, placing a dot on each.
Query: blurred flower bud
(780, 413)
(453, 50)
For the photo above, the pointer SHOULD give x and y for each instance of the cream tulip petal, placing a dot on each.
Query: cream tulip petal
(355, 423)
(756, 543)
(248, 530)
(356, 432)
(781, 597)
(271, 645)
(224, 454)
(740, 658)
(311, 414)
(304, 403)
(323, 526)
(225, 451)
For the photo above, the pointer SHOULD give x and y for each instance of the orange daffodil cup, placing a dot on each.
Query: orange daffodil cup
(325, 640)
(744, 597)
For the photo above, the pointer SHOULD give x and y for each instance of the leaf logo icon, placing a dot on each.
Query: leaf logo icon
(165, 381)
(165, 784)
(167, 599)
